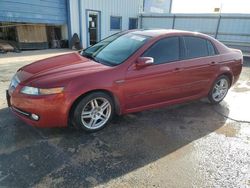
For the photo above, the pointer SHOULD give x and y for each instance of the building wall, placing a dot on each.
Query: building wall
(33, 11)
(74, 17)
(123, 8)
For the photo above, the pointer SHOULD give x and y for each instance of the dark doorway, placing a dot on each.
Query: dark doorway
(8, 32)
(93, 27)
(54, 36)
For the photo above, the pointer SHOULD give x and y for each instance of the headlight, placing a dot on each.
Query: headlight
(14, 82)
(30, 90)
(38, 91)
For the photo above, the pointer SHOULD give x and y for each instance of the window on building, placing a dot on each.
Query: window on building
(115, 23)
(133, 23)
(164, 51)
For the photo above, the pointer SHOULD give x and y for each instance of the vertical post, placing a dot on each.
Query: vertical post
(69, 23)
(218, 27)
(140, 18)
(143, 5)
(173, 25)
(80, 20)
(170, 6)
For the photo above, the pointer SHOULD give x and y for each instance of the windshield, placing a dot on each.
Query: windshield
(92, 50)
(115, 49)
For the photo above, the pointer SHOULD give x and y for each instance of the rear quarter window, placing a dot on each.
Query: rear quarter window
(211, 48)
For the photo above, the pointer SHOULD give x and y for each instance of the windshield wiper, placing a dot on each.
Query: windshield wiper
(90, 56)
(86, 54)
(96, 60)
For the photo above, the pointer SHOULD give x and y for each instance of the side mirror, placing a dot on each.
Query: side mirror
(144, 62)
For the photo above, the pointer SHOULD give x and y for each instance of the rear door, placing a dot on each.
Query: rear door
(156, 83)
(199, 65)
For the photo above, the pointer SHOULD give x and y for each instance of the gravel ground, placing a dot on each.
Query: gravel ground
(190, 145)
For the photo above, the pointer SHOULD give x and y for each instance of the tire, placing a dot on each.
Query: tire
(219, 89)
(93, 112)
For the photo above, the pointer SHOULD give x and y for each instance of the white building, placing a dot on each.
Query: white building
(94, 20)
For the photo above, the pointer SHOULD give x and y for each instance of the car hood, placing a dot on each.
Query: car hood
(57, 68)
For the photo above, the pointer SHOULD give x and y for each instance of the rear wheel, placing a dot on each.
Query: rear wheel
(93, 112)
(219, 89)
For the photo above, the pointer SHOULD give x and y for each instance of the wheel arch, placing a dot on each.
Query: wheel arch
(222, 73)
(79, 98)
(229, 75)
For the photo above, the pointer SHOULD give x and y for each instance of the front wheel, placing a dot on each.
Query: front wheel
(93, 112)
(219, 89)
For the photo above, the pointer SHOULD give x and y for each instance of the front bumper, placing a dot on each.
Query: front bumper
(52, 110)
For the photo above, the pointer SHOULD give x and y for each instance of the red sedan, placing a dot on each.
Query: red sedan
(127, 72)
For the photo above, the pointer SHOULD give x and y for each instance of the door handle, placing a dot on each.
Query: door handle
(177, 69)
(119, 81)
(212, 63)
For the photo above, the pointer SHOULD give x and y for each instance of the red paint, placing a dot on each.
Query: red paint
(133, 88)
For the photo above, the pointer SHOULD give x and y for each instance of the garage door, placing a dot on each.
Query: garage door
(35, 11)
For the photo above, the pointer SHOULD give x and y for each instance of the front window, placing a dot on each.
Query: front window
(114, 51)
(164, 51)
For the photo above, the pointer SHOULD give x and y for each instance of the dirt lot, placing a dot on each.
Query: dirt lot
(190, 145)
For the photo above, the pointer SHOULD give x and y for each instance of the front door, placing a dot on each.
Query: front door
(157, 83)
(93, 27)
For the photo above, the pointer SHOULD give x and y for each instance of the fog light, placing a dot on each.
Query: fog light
(35, 117)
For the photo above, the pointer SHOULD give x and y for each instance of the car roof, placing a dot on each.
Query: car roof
(163, 32)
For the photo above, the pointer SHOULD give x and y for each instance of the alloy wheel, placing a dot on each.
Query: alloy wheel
(220, 89)
(96, 113)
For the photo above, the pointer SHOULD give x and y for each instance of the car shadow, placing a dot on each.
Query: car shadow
(71, 158)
